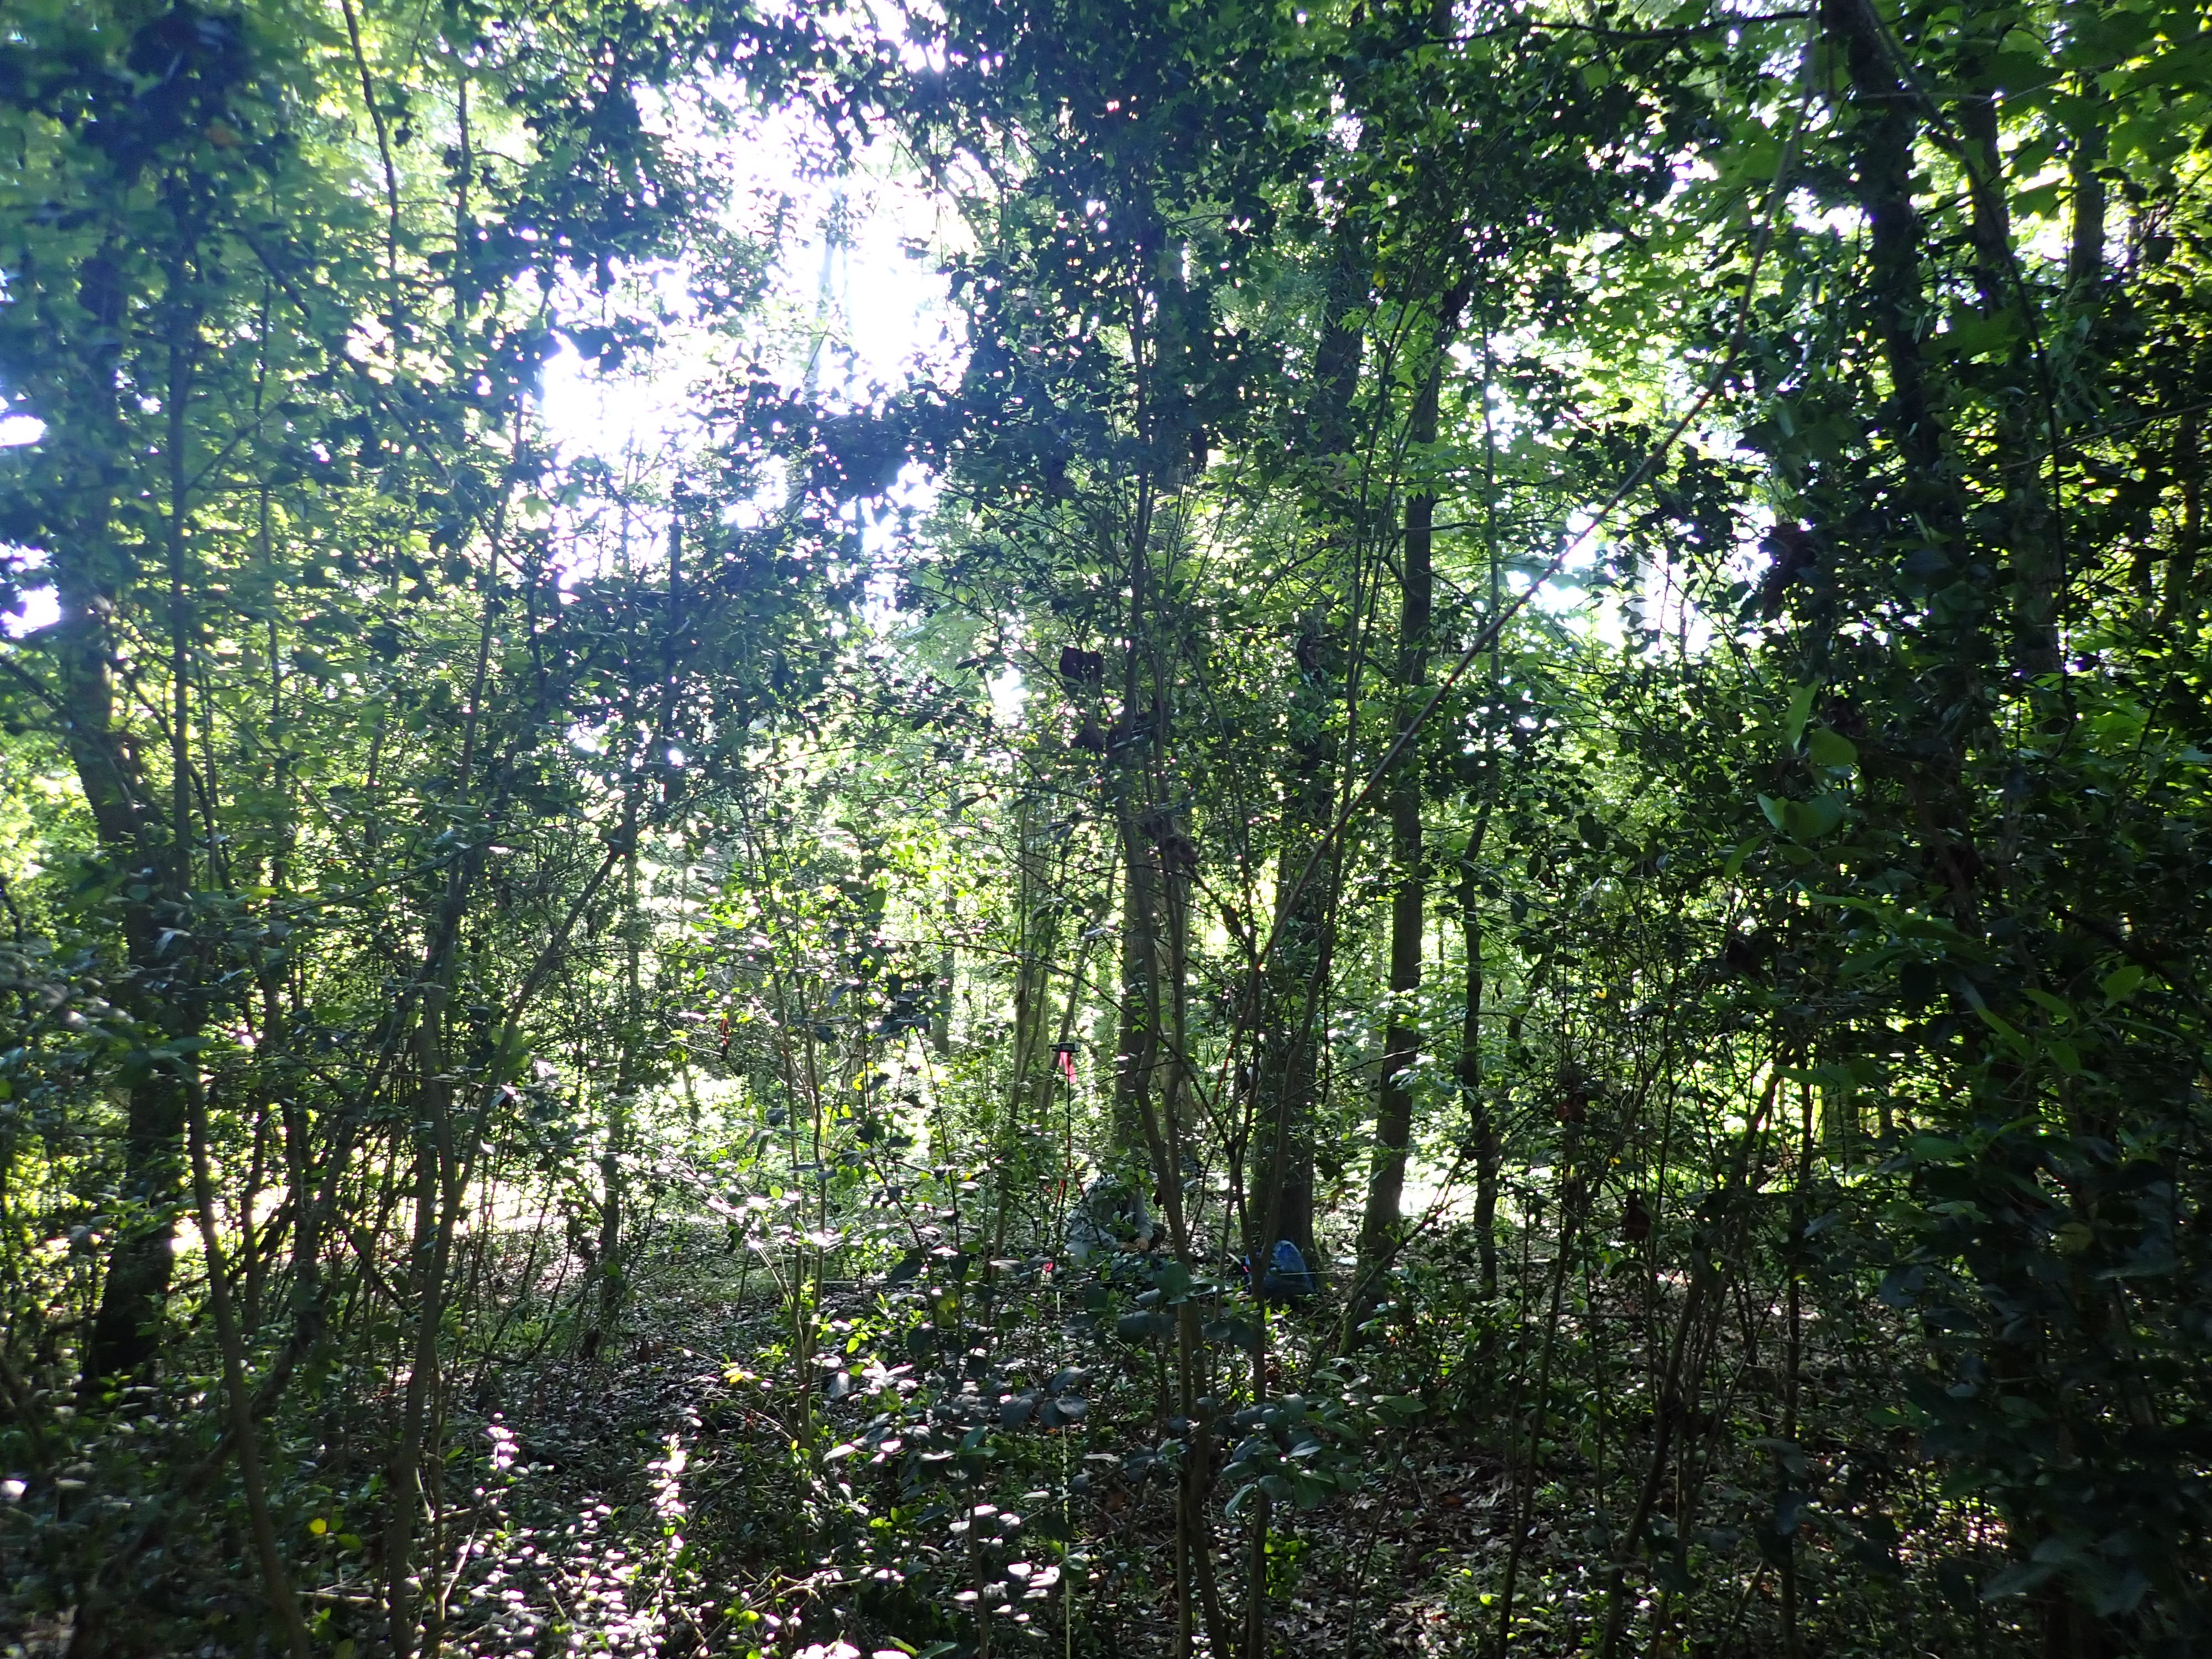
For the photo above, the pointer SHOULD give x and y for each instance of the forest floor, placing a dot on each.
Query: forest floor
(646, 1500)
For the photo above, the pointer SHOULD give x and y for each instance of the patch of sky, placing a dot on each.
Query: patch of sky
(38, 607)
(855, 308)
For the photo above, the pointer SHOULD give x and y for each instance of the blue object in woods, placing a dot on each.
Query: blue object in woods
(1288, 1276)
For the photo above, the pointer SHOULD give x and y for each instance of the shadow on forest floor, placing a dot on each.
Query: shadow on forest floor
(650, 1500)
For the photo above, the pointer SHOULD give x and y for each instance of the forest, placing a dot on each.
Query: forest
(1358, 827)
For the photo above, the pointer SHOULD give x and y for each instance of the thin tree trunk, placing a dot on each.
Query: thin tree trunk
(611, 1192)
(1394, 1111)
(1294, 984)
(2189, 537)
(2024, 438)
(1482, 1117)
(157, 929)
(1524, 1506)
(1882, 135)
(274, 1579)
(1793, 1265)
(1134, 1037)
(1707, 1283)
(1394, 1107)
(2085, 242)
(1281, 1204)
(431, 1118)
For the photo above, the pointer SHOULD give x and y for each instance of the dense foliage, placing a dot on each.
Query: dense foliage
(1462, 909)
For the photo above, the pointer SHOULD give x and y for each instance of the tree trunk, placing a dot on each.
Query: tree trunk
(1291, 997)
(2085, 247)
(269, 1553)
(2181, 564)
(1482, 1121)
(2031, 529)
(1135, 1041)
(1883, 131)
(1394, 1108)
(1136, 1036)
(1280, 1205)
(1281, 1202)
(618, 1125)
(156, 860)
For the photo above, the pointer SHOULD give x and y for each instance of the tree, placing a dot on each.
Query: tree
(1554, 652)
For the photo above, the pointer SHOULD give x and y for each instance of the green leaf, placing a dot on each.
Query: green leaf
(2017, 1579)
(2122, 982)
(1809, 820)
(1135, 1327)
(1734, 865)
(1831, 749)
(2002, 1027)
(1970, 335)
(1801, 710)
